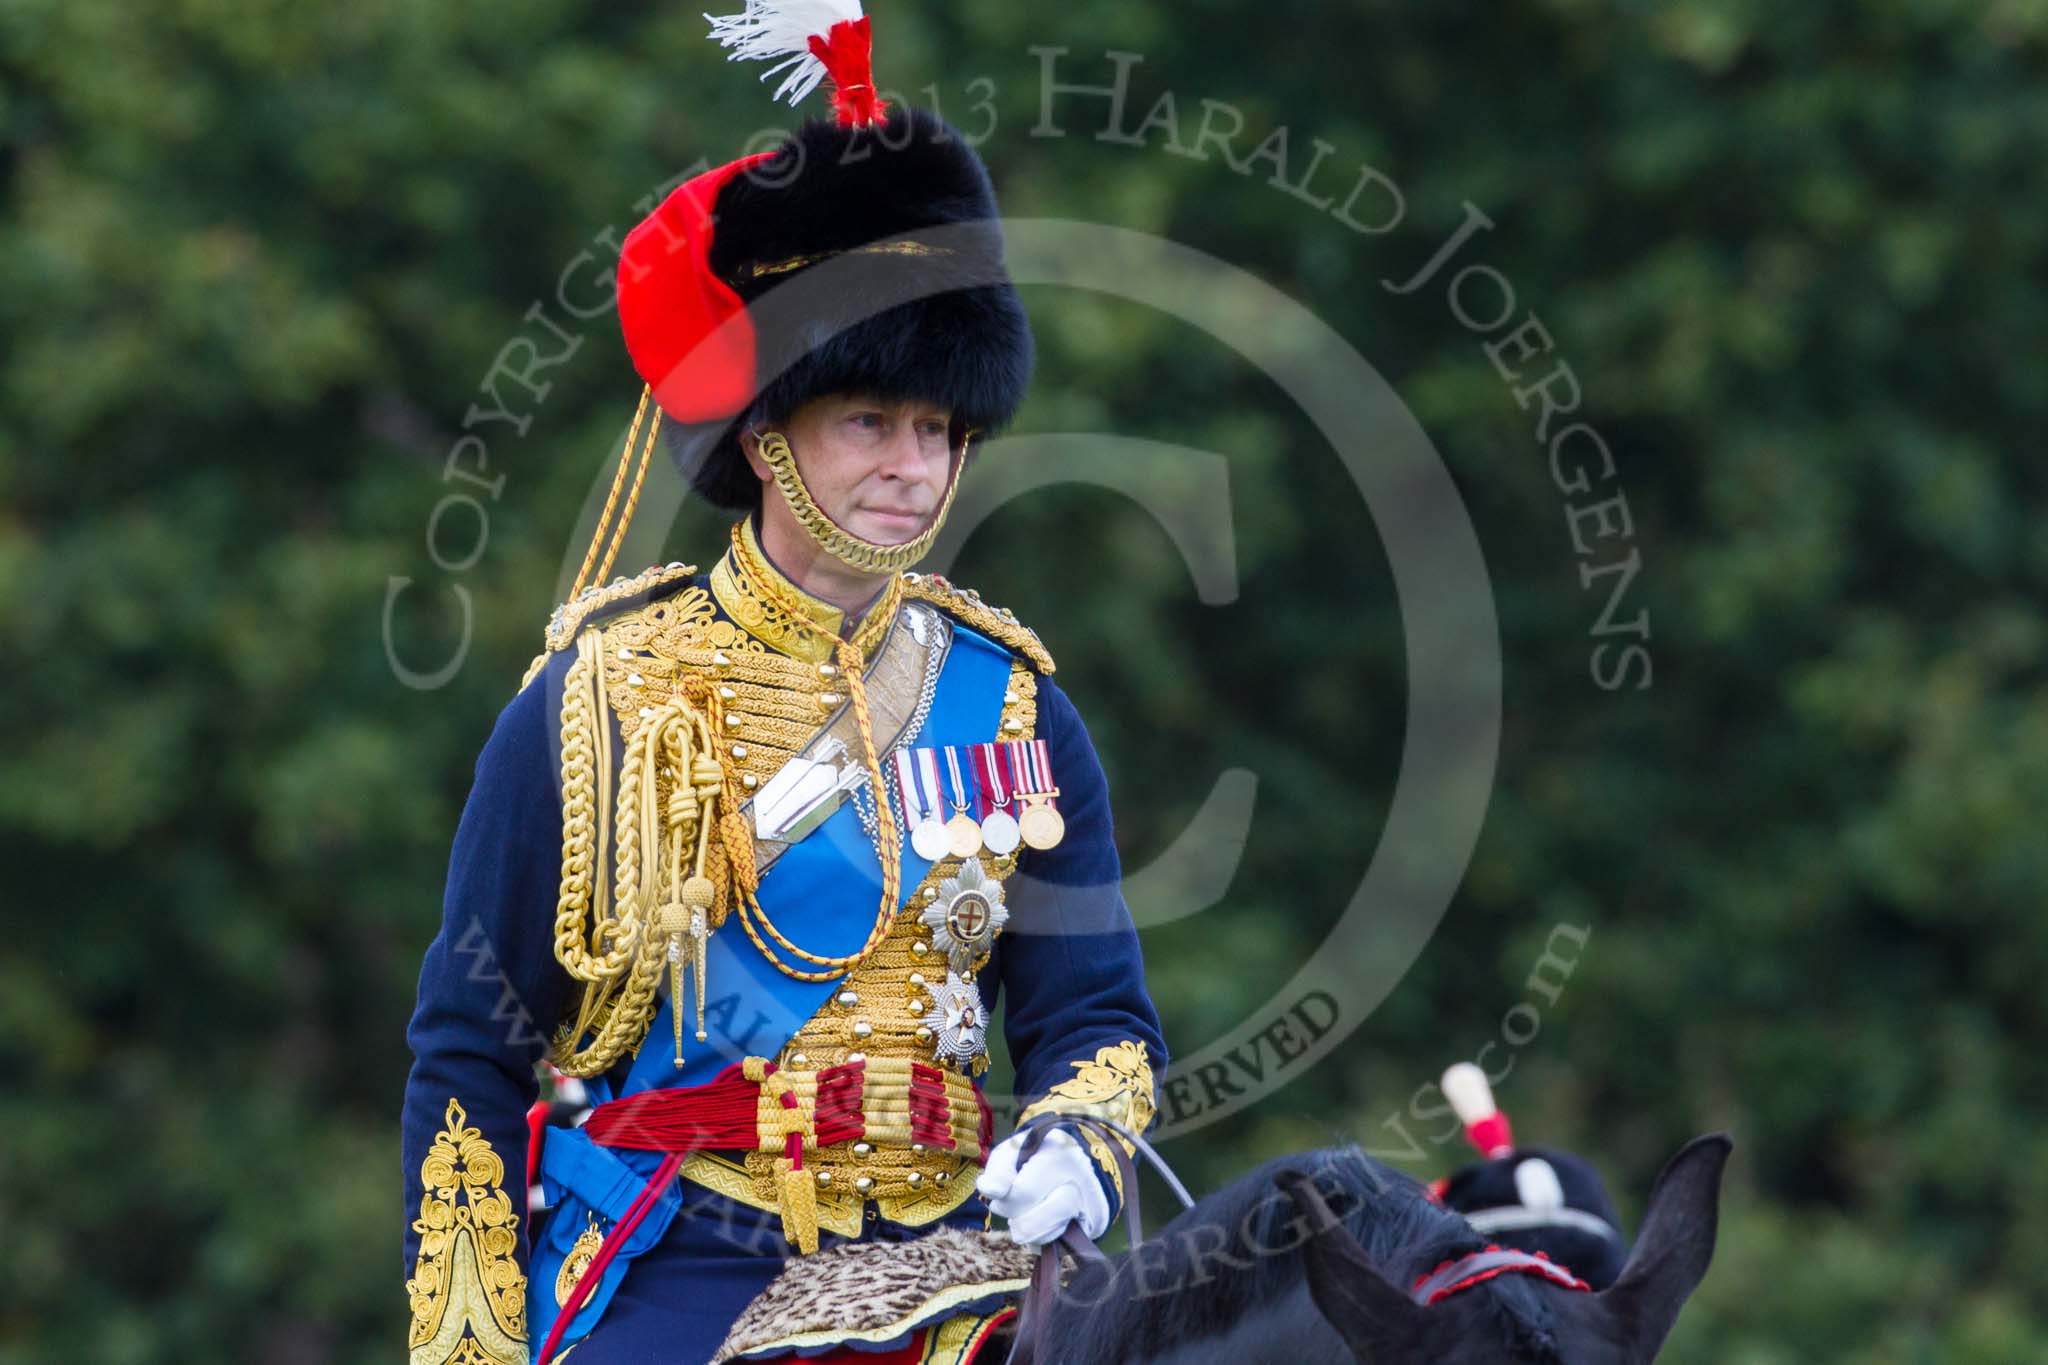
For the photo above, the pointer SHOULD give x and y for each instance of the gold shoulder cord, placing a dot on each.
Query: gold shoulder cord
(666, 886)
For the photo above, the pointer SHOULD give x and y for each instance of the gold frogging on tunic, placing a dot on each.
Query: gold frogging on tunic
(677, 664)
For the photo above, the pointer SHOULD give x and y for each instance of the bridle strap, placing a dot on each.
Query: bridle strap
(1452, 1276)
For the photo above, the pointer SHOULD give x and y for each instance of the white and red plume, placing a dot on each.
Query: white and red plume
(816, 40)
(1486, 1128)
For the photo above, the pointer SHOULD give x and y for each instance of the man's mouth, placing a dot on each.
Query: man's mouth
(896, 519)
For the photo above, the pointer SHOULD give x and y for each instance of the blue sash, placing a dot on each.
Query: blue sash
(821, 893)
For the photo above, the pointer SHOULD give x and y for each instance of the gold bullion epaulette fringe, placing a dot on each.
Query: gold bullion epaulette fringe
(998, 623)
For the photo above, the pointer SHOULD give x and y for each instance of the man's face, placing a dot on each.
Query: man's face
(877, 468)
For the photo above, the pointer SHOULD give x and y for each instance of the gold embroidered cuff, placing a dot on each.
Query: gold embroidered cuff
(1116, 1085)
(468, 1290)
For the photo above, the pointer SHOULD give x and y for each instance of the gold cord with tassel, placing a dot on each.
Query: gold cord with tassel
(668, 884)
(796, 1191)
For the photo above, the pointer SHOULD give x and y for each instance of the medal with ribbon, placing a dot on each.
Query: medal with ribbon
(999, 833)
(917, 780)
(963, 831)
(1040, 825)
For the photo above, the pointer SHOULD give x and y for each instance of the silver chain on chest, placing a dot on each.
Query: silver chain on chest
(935, 660)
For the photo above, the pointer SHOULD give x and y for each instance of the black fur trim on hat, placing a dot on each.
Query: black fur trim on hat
(944, 327)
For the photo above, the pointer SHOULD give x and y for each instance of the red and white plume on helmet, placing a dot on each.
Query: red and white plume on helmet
(1486, 1128)
(816, 40)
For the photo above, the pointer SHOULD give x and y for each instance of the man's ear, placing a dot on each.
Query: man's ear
(750, 447)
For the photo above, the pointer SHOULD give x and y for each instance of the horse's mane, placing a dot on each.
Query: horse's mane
(1240, 1250)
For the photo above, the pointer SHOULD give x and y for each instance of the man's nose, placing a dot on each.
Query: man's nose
(905, 456)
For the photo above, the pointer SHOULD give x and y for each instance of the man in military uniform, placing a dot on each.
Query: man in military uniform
(756, 853)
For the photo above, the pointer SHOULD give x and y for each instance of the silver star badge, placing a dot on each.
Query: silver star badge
(966, 916)
(958, 1021)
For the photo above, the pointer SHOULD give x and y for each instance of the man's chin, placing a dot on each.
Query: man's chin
(878, 529)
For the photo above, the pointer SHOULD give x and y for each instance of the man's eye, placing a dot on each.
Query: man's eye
(868, 419)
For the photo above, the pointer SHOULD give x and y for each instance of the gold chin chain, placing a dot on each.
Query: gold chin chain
(852, 664)
(834, 539)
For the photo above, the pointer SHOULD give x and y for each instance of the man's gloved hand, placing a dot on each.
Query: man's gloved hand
(1056, 1186)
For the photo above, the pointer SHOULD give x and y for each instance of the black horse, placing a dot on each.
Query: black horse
(1329, 1256)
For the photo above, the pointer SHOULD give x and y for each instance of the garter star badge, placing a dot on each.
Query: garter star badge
(966, 916)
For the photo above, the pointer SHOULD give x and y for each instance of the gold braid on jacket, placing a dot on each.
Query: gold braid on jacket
(682, 856)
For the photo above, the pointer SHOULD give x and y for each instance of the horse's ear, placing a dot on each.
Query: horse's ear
(1375, 1320)
(1673, 1247)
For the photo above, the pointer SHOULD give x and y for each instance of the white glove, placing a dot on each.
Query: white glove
(1056, 1186)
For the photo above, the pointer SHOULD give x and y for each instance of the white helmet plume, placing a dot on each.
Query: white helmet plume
(786, 29)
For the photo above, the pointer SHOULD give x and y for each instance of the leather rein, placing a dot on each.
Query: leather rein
(1035, 1307)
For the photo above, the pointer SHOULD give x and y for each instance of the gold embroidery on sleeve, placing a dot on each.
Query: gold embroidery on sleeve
(1116, 1085)
(468, 1292)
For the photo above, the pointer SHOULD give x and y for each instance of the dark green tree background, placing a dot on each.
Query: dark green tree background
(257, 258)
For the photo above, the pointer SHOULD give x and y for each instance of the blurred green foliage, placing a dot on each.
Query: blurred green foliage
(257, 258)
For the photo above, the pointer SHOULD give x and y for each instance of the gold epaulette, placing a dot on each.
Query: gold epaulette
(998, 623)
(568, 618)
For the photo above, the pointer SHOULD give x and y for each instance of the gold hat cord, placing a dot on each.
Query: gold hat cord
(584, 577)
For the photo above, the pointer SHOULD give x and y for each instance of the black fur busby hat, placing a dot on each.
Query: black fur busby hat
(1540, 1199)
(1534, 1199)
(861, 254)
